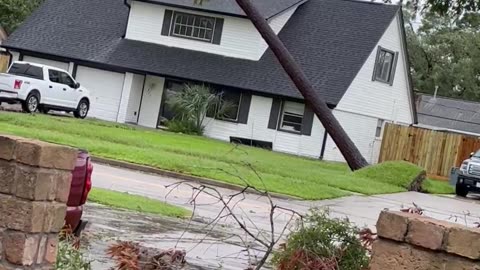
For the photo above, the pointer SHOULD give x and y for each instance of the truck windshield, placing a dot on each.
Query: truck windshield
(26, 70)
(477, 154)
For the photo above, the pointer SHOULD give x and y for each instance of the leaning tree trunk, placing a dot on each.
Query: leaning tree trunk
(346, 146)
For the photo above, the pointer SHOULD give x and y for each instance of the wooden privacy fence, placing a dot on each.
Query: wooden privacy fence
(436, 151)
(4, 60)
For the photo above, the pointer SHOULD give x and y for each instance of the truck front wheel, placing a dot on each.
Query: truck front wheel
(82, 109)
(461, 190)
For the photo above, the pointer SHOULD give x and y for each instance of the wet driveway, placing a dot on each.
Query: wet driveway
(218, 249)
(223, 247)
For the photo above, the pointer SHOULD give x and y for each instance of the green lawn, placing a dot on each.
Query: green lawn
(199, 156)
(135, 203)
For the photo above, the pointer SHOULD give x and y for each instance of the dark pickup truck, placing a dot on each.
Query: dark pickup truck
(467, 178)
(81, 186)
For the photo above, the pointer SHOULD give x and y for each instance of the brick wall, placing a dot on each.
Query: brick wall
(408, 241)
(34, 186)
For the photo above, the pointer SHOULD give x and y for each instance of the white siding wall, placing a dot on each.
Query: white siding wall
(279, 21)
(367, 101)
(105, 91)
(135, 98)
(361, 130)
(240, 39)
(152, 97)
(380, 99)
(257, 129)
(48, 62)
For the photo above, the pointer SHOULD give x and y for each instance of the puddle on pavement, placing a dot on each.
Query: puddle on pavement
(219, 250)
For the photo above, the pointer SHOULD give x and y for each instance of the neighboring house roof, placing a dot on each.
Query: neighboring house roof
(330, 39)
(447, 113)
(268, 8)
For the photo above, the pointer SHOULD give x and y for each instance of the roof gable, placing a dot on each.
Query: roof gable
(268, 8)
(331, 39)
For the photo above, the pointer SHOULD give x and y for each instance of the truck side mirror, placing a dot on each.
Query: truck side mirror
(471, 154)
(77, 85)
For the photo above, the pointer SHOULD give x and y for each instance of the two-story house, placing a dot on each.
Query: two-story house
(134, 54)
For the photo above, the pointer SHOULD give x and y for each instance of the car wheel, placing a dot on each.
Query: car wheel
(31, 104)
(461, 191)
(82, 109)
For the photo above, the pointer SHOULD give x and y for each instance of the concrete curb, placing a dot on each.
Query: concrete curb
(181, 176)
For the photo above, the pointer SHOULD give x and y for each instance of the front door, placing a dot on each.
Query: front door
(151, 99)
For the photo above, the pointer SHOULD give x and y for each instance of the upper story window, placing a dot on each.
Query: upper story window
(192, 26)
(385, 66)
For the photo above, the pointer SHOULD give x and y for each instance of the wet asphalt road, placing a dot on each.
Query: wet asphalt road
(222, 248)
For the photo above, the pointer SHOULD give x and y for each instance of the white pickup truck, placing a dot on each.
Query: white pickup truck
(43, 88)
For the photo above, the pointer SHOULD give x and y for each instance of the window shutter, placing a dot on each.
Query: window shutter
(217, 34)
(244, 109)
(379, 50)
(307, 122)
(167, 20)
(274, 113)
(394, 68)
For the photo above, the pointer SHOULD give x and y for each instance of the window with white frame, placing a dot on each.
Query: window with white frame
(385, 66)
(378, 132)
(193, 26)
(292, 116)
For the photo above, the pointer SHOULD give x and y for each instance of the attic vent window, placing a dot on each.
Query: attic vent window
(192, 26)
(385, 65)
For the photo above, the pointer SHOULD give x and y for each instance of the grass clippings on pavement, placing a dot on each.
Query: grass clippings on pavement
(137, 203)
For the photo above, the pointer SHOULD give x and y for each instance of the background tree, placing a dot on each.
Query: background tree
(444, 53)
(14, 12)
(444, 7)
(441, 7)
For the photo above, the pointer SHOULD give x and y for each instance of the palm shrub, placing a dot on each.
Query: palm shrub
(191, 106)
(320, 242)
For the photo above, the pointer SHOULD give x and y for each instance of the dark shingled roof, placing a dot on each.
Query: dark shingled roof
(331, 39)
(449, 113)
(268, 8)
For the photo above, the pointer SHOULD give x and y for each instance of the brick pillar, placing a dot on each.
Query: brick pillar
(408, 241)
(34, 177)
